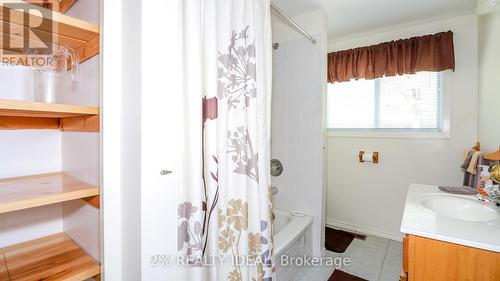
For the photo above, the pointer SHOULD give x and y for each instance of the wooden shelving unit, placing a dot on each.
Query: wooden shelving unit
(35, 115)
(54, 257)
(54, 28)
(43, 25)
(40, 190)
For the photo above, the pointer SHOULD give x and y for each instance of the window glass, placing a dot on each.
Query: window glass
(406, 102)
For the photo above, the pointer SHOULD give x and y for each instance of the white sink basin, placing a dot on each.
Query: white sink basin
(460, 208)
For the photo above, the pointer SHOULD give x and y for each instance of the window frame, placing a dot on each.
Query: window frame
(402, 133)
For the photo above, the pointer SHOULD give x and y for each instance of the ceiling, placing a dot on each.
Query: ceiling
(346, 17)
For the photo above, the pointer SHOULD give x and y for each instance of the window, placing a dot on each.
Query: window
(406, 103)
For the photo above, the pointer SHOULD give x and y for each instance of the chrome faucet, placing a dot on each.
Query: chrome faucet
(495, 200)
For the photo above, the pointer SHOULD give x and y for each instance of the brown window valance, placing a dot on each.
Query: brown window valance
(405, 56)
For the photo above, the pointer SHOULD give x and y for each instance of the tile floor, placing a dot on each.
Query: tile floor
(375, 259)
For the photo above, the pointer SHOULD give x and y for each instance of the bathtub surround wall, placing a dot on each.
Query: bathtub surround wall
(370, 198)
(298, 120)
(489, 82)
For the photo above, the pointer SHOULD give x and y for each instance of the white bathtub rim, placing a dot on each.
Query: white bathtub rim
(291, 232)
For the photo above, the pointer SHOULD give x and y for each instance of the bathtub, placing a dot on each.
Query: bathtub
(289, 240)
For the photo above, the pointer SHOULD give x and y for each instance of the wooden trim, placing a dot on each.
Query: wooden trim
(405, 253)
(94, 201)
(80, 124)
(66, 4)
(54, 257)
(411, 258)
(39, 190)
(46, 110)
(19, 123)
(15, 115)
(89, 50)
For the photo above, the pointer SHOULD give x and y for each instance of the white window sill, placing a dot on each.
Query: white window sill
(409, 134)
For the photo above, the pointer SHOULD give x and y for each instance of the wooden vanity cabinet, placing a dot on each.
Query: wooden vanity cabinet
(427, 259)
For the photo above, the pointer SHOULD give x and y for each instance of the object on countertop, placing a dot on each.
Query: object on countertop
(484, 177)
(495, 173)
(459, 190)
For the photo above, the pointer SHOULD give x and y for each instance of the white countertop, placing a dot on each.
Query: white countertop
(420, 221)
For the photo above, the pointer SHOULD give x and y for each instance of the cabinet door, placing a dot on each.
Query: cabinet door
(431, 260)
(160, 151)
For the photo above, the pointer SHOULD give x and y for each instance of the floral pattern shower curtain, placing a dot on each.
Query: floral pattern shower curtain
(224, 211)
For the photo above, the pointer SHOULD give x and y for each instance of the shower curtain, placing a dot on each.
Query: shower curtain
(224, 211)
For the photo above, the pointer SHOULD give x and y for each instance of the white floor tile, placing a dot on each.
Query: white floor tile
(395, 248)
(313, 273)
(371, 241)
(392, 263)
(374, 259)
(365, 256)
(365, 272)
(389, 276)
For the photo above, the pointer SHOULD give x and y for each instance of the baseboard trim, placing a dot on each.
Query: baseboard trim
(363, 230)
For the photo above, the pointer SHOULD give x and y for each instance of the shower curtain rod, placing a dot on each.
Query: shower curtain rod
(277, 10)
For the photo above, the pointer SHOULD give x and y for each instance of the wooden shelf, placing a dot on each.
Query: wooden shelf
(54, 257)
(40, 190)
(44, 110)
(35, 115)
(53, 28)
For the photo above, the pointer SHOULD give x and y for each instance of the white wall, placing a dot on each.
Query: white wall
(370, 198)
(298, 131)
(131, 142)
(23, 153)
(489, 82)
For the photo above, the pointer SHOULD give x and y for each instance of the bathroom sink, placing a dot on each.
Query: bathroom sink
(458, 207)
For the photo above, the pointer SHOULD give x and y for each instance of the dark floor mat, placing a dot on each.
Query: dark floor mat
(339, 275)
(338, 240)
